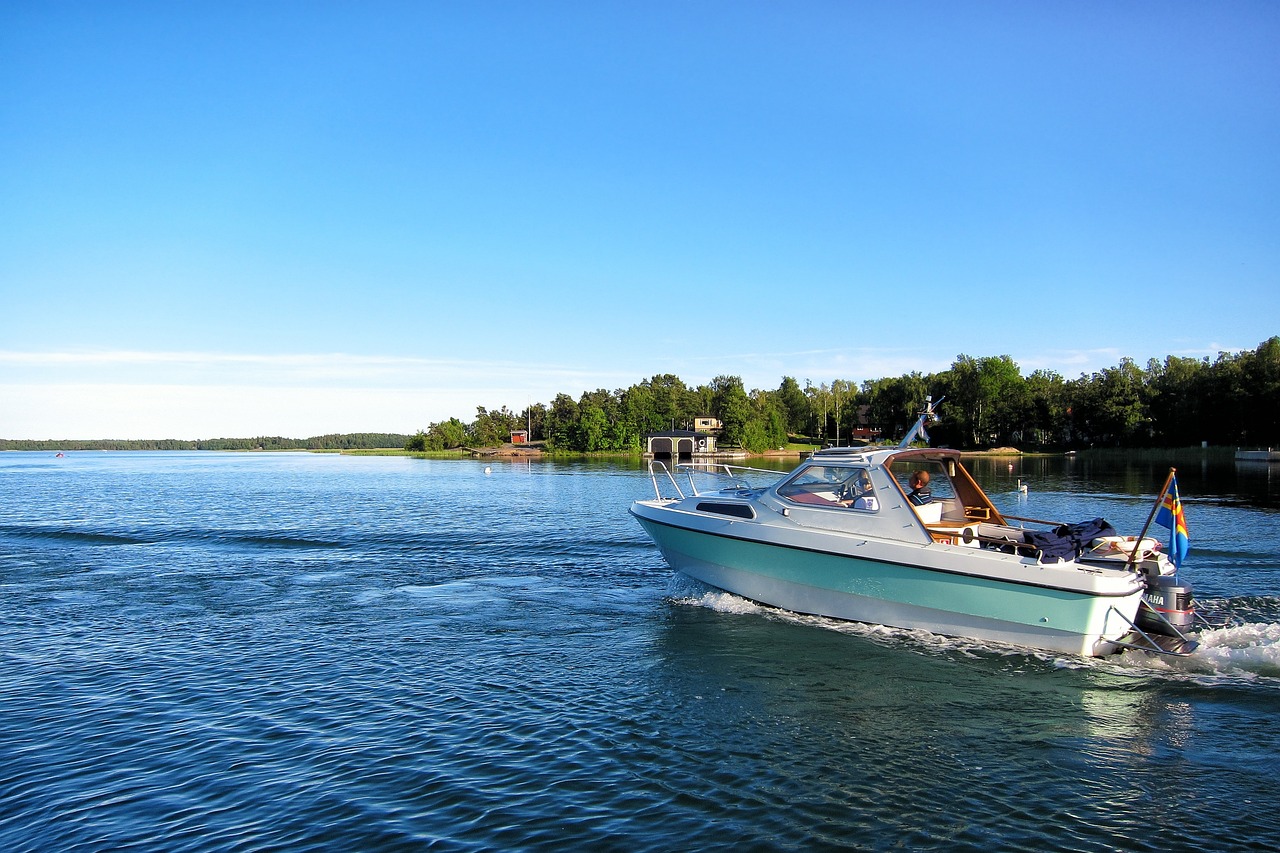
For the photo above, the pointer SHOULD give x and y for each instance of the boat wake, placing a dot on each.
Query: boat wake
(1248, 646)
(723, 602)
(1247, 650)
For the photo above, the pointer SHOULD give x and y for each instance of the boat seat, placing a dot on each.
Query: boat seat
(976, 534)
(1001, 532)
(930, 513)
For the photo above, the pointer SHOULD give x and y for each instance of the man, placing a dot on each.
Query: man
(920, 493)
(857, 493)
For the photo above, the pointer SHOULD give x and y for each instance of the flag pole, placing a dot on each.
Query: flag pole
(1133, 555)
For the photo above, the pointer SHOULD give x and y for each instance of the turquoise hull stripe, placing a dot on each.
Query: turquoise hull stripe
(1025, 604)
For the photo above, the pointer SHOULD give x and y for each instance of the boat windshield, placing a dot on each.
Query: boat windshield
(832, 485)
(940, 485)
(926, 479)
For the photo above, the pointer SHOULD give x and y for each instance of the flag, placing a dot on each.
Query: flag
(1170, 515)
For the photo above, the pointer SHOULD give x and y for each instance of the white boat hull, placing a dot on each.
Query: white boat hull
(943, 589)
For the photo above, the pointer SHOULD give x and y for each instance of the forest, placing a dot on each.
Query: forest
(1231, 400)
(350, 441)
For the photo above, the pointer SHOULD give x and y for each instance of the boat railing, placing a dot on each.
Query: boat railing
(659, 469)
(1174, 643)
(705, 477)
(1043, 521)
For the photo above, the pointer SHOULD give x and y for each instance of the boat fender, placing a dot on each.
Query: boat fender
(1124, 545)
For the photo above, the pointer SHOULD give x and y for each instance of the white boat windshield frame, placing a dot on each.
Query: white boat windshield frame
(840, 486)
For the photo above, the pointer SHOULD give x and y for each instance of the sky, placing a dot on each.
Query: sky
(297, 218)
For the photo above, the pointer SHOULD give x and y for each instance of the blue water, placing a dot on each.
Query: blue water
(205, 651)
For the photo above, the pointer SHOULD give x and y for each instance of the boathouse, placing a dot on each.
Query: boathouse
(679, 444)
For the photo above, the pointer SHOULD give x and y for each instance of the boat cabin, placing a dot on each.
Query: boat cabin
(879, 486)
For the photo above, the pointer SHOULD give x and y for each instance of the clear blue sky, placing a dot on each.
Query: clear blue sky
(305, 217)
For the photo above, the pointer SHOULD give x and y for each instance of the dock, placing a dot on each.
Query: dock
(1268, 455)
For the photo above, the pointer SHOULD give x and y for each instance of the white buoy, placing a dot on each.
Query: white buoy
(488, 470)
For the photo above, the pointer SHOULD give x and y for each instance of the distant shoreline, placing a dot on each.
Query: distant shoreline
(334, 441)
(351, 446)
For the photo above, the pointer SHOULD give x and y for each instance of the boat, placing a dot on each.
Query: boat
(844, 535)
(1268, 455)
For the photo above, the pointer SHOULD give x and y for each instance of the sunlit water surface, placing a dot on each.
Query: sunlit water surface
(207, 651)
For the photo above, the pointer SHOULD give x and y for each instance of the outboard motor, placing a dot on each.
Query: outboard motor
(1170, 599)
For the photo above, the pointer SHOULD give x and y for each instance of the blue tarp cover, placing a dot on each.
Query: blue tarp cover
(1066, 541)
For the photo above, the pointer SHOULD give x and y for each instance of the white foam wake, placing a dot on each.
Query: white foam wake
(1253, 647)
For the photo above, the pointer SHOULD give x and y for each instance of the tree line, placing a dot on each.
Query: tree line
(1231, 400)
(347, 441)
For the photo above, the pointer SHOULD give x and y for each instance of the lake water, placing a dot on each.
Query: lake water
(208, 651)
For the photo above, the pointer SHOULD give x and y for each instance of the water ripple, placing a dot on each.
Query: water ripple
(296, 653)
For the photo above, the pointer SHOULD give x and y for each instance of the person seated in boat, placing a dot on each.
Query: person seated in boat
(858, 494)
(920, 493)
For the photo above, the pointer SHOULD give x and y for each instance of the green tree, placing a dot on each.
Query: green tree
(671, 403)
(1261, 371)
(561, 426)
(1109, 407)
(444, 435)
(698, 401)
(535, 420)
(451, 433)
(986, 399)
(766, 427)
(1227, 399)
(796, 406)
(1176, 394)
(493, 428)
(732, 406)
(1047, 418)
(820, 406)
(1006, 392)
(842, 394)
(592, 427)
(894, 403)
(637, 407)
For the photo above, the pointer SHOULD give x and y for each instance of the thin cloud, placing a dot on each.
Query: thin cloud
(262, 368)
